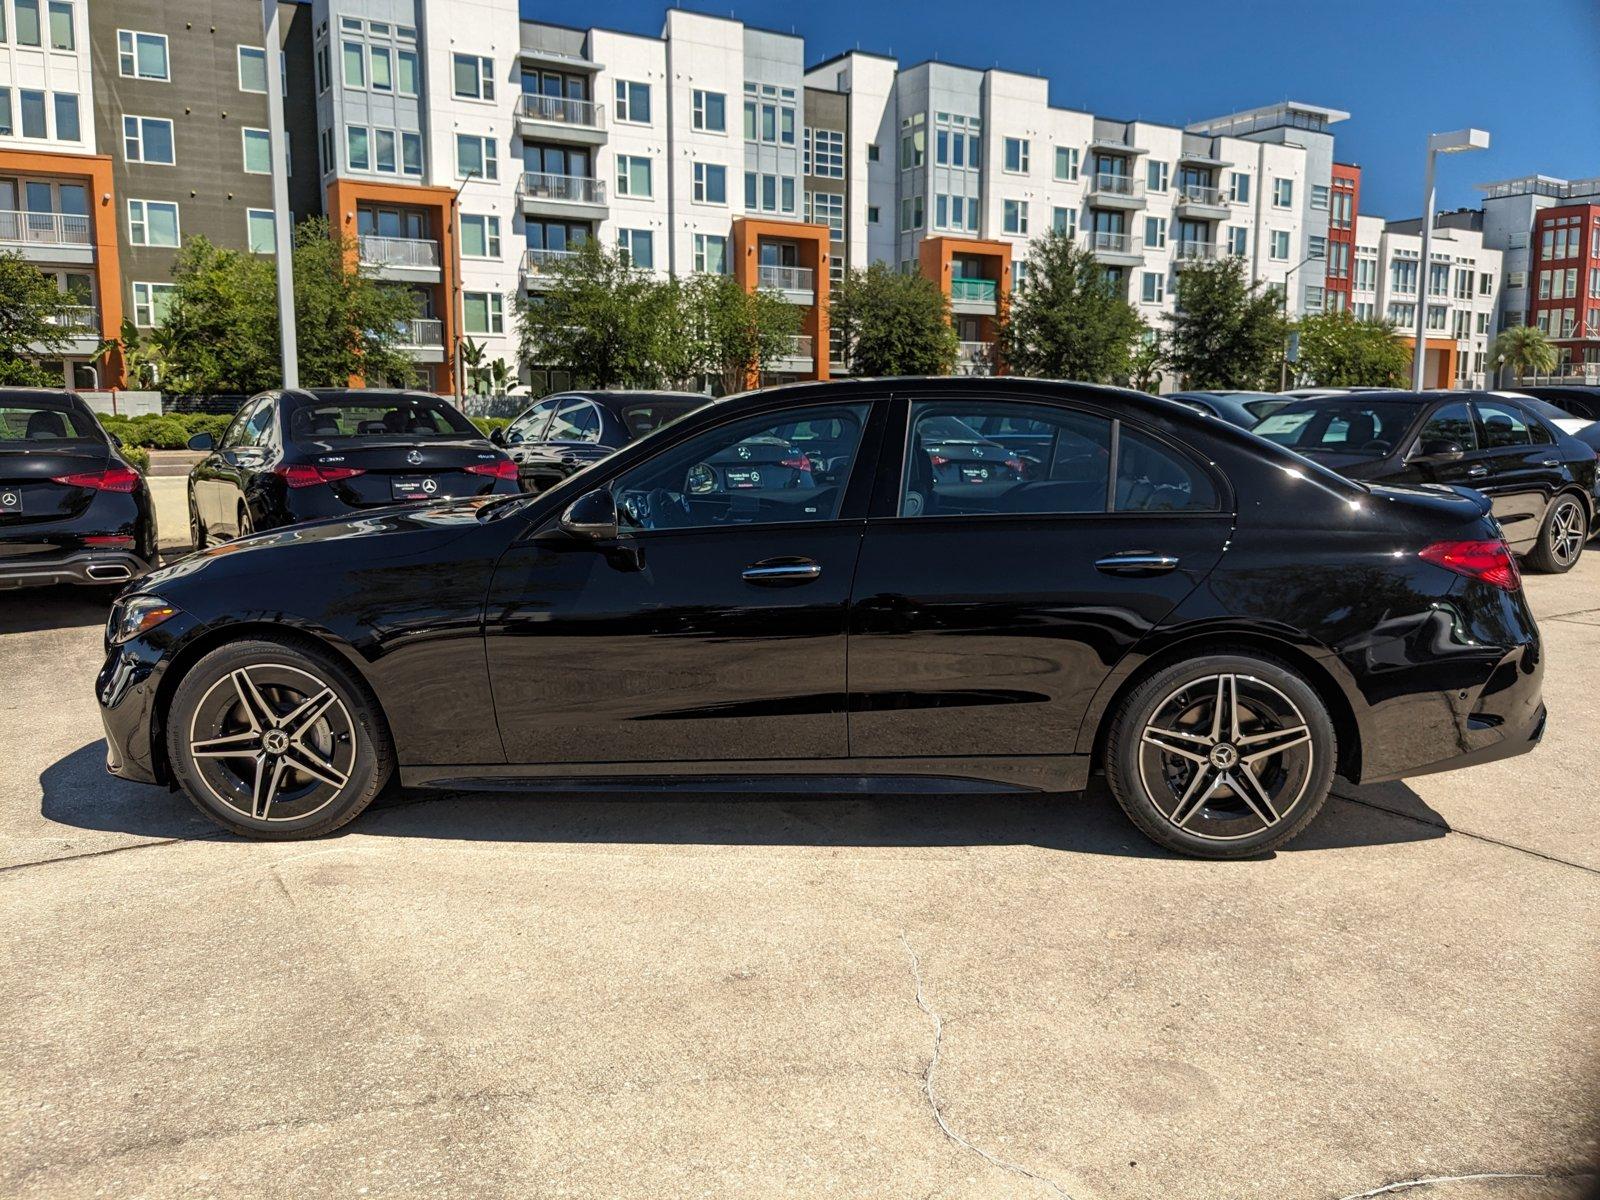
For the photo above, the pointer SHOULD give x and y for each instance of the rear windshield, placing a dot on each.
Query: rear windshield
(1368, 428)
(390, 417)
(1264, 408)
(34, 421)
(645, 416)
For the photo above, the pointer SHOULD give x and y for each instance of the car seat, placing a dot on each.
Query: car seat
(920, 499)
(46, 424)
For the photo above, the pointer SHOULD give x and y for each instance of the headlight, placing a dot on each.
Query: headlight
(136, 615)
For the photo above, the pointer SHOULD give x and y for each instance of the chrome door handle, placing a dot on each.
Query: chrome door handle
(782, 572)
(1477, 472)
(1136, 563)
(1551, 462)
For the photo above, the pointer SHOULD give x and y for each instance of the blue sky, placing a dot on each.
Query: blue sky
(1528, 72)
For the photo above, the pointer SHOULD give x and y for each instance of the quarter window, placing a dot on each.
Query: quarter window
(1152, 477)
(1501, 426)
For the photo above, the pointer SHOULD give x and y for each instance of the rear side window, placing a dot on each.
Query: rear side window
(1452, 423)
(32, 421)
(1153, 477)
(1502, 426)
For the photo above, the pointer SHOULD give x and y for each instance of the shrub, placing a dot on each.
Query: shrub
(138, 458)
(487, 425)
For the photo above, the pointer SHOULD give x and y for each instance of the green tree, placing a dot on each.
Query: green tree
(596, 320)
(1070, 322)
(1337, 350)
(472, 359)
(1228, 332)
(347, 321)
(892, 324)
(502, 378)
(1146, 363)
(740, 333)
(33, 316)
(1525, 350)
(142, 356)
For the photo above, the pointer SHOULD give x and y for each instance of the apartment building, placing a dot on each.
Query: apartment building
(1344, 206)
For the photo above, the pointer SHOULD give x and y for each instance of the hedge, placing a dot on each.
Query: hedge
(138, 458)
(487, 425)
(164, 431)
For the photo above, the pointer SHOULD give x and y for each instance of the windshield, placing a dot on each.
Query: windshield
(388, 417)
(29, 422)
(646, 416)
(1370, 429)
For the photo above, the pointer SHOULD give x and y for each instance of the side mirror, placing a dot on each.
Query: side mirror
(498, 435)
(592, 517)
(203, 442)
(1440, 450)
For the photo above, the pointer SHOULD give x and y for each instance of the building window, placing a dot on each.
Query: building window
(152, 223)
(252, 69)
(1314, 298)
(355, 65)
(1155, 176)
(1319, 196)
(381, 60)
(827, 208)
(1017, 156)
(1238, 240)
(476, 157)
(258, 151)
(633, 175)
(358, 147)
(633, 102)
(824, 153)
(1343, 207)
(140, 55)
(711, 112)
(1283, 193)
(473, 76)
(710, 254)
(1152, 287)
(62, 36)
(67, 118)
(1064, 220)
(1239, 187)
(1066, 163)
(147, 140)
(1015, 218)
(710, 183)
(485, 312)
(1155, 232)
(406, 72)
(874, 214)
(150, 303)
(1316, 246)
(33, 120)
(1438, 317)
(261, 233)
(637, 247)
(1404, 315)
(913, 142)
(1403, 276)
(872, 151)
(911, 213)
(480, 236)
(411, 153)
(1339, 260)
(1280, 245)
(1366, 277)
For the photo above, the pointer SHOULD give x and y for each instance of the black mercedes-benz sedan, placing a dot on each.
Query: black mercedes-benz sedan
(1217, 623)
(1540, 480)
(295, 456)
(72, 510)
(564, 433)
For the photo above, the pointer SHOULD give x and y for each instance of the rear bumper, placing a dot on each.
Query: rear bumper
(100, 568)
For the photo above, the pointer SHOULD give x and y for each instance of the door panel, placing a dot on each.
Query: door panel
(1517, 482)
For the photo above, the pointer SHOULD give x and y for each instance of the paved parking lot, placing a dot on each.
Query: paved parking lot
(870, 995)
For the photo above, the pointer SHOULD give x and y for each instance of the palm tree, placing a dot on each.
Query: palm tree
(1526, 350)
(502, 379)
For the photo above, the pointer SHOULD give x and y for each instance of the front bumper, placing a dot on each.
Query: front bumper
(126, 690)
(99, 568)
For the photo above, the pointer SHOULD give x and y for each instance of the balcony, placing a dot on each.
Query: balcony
(979, 297)
(798, 356)
(422, 338)
(408, 260)
(79, 328)
(975, 358)
(561, 119)
(1116, 191)
(1206, 203)
(1116, 248)
(797, 285)
(562, 195)
(1184, 253)
(538, 266)
(47, 237)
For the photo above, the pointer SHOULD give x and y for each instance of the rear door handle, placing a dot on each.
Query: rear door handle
(1477, 472)
(1136, 562)
(782, 572)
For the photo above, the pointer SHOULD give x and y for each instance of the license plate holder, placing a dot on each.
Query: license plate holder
(413, 487)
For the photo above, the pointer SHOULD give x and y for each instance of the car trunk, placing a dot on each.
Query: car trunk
(404, 470)
(29, 493)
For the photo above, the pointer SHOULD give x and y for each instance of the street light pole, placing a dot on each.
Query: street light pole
(458, 301)
(282, 233)
(1283, 375)
(1438, 143)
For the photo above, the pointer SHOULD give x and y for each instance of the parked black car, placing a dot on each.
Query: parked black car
(566, 432)
(1540, 480)
(1584, 429)
(1580, 400)
(1217, 622)
(295, 456)
(1243, 409)
(72, 510)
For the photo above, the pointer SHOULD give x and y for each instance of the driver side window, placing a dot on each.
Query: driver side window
(238, 433)
(762, 470)
(529, 427)
(1452, 423)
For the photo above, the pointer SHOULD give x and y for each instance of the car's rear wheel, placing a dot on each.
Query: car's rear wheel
(1561, 537)
(1223, 756)
(246, 525)
(276, 741)
(197, 527)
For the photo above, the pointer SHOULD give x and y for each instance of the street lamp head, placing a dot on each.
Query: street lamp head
(1459, 140)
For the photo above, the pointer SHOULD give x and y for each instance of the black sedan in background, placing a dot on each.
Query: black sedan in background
(71, 508)
(1575, 399)
(1243, 409)
(295, 456)
(1539, 479)
(1218, 623)
(566, 432)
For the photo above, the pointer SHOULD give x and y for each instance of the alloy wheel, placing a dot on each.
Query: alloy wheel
(272, 742)
(1225, 757)
(1566, 532)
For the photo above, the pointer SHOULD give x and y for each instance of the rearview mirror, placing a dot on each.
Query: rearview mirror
(1440, 450)
(498, 435)
(592, 517)
(202, 441)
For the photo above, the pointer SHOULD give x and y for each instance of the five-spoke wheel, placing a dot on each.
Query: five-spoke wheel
(1561, 538)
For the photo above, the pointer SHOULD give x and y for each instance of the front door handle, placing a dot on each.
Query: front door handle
(782, 572)
(1136, 562)
(1477, 472)
(1551, 462)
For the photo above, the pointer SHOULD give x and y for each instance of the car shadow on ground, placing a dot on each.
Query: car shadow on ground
(78, 792)
(30, 610)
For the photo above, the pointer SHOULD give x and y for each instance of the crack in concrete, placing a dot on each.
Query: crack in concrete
(1428, 1180)
(933, 1100)
(65, 858)
(1480, 837)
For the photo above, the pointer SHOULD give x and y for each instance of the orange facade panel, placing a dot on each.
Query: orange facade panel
(811, 246)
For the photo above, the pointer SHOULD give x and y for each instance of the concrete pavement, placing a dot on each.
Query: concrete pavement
(699, 995)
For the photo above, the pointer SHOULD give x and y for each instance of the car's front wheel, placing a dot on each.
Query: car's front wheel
(1561, 537)
(276, 741)
(1223, 756)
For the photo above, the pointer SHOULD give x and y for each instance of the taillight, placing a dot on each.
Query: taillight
(1016, 465)
(938, 460)
(123, 543)
(114, 479)
(501, 468)
(300, 475)
(1489, 561)
(800, 462)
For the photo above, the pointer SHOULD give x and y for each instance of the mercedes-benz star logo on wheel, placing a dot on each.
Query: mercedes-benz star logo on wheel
(414, 457)
(429, 486)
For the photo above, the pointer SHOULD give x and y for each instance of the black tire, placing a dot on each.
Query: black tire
(1561, 536)
(246, 525)
(346, 739)
(197, 527)
(1157, 744)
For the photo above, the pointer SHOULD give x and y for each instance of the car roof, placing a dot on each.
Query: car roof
(59, 395)
(360, 395)
(964, 386)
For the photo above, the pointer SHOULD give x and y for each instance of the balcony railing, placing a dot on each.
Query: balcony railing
(399, 252)
(536, 262)
(799, 346)
(569, 189)
(421, 333)
(973, 289)
(561, 111)
(77, 319)
(787, 279)
(44, 228)
(1195, 193)
(1195, 251)
(1111, 243)
(1125, 186)
(974, 353)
